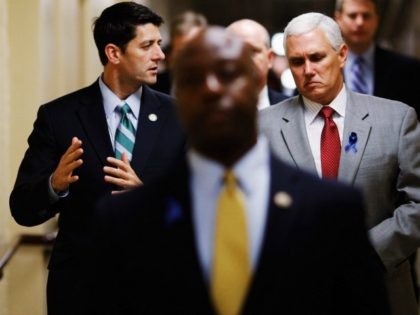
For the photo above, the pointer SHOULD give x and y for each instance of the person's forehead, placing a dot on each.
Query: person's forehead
(359, 4)
(315, 36)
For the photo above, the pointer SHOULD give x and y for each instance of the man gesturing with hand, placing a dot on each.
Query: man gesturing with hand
(109, 137)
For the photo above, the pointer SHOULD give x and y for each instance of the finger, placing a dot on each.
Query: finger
(117, 163)
(75, 144)
(73, 179)
(115, 172)
(72, 156)
(69, 168)
(115, 181)
(124, 158)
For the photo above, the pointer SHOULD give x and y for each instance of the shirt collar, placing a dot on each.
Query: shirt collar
(367, 56)
(338, 104)
(263, 99)
(111, 100)
(245, 169)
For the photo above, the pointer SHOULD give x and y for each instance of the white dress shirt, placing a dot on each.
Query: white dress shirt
(253, 174)
(263, 99)
(112, 101)
(314, 123)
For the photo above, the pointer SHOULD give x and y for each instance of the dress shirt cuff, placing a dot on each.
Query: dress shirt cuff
(54, 197)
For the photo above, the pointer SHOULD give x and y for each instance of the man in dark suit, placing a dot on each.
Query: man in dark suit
(256, 35)
(386, 74)
(71, 162)
(158, 248)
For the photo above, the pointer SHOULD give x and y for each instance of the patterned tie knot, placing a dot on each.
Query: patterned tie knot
(327, 112)
(359, 61)
(124, 109)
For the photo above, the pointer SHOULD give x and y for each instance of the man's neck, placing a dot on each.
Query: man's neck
(121, 88)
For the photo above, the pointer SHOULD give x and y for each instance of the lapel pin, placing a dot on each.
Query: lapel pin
(282, 199)
(173, 211)
(153, 117)
(351, 145)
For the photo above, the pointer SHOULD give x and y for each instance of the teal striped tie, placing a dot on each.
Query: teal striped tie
(125, 134)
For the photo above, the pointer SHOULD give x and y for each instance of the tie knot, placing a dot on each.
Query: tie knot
(229, 179)
(124, 109)
(359, 61)
(327, 112)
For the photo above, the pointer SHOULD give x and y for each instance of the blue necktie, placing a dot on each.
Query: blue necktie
(358, 81)
(125, 135)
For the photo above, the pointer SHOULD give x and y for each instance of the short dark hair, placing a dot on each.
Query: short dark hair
(117, 25)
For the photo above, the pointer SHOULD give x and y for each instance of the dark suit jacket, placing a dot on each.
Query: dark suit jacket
(315, 257)
(396, 77)
(81, 114)
(275, 97)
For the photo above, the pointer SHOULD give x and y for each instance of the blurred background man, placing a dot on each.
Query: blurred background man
(182, 27)
(371, 69)
(255, 35)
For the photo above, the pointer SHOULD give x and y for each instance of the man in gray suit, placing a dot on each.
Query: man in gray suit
(376, 147)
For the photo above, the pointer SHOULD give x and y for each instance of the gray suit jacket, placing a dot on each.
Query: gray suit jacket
(384, 162)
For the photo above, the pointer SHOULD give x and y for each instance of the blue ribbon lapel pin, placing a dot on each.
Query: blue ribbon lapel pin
(351, 144)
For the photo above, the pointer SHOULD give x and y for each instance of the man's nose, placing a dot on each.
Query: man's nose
(360, 19)
(308, 67)
(158, 54)
(212, 83)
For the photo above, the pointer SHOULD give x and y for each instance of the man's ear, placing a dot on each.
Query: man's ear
(342, 54)
(113, 53)
(337, 15)
(270, 56)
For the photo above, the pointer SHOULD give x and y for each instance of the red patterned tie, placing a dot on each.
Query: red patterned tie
(330, 144)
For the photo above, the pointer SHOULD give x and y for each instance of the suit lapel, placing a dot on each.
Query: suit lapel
(275, 242)
(294, 135)
(92, 117)
(184, 257)
(354, 123)
(151, 119)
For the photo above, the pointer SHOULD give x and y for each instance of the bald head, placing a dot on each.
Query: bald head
(216, 87)
(255, 35)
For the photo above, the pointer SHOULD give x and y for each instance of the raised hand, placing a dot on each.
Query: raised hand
(121, 174)
(70, 160)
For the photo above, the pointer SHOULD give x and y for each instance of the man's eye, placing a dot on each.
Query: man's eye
(316, 58)
(296, 62)
(191, 80)
(226, 75)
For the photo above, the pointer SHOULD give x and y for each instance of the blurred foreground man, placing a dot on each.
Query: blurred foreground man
(111, 136)
(369, 142)
(233, 230)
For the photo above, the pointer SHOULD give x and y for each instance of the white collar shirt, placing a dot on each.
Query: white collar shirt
(111, 101)
(314, 123)
(253, 174)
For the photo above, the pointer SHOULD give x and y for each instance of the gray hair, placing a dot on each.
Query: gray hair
(307, 22)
